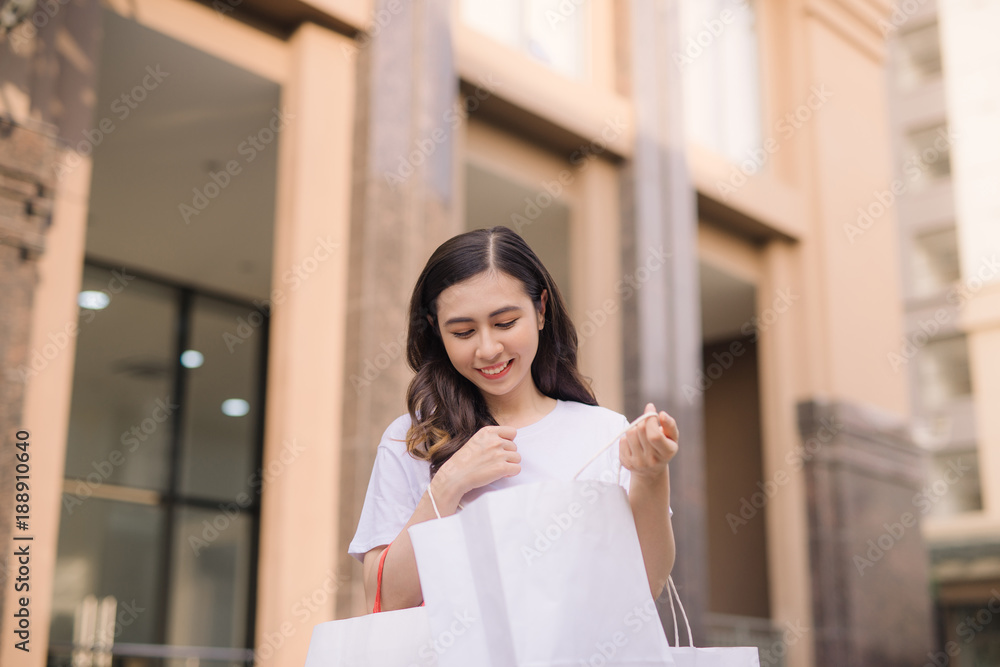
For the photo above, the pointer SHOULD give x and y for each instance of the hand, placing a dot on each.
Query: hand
(647, 447)
(488, 456)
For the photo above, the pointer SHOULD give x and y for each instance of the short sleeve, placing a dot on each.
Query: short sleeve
(393, 493)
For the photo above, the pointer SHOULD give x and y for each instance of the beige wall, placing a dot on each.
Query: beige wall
(857, 282)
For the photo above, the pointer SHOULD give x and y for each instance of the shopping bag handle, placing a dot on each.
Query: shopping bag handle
(613, 441)
(593, 458)
(671, 594)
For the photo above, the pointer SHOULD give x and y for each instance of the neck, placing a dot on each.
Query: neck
(520, 408)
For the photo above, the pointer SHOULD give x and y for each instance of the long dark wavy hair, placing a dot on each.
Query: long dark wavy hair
(446, 409)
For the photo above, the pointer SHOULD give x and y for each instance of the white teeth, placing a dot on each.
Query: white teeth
(495, 372)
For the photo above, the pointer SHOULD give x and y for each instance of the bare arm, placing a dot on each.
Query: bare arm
(650, 501)
(646, 451)
(487, 456)
(400, 583)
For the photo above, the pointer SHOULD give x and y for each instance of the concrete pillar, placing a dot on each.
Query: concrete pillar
(48, 66)
(27, 156)
(300, 512)
(404, 184)
(662, 321)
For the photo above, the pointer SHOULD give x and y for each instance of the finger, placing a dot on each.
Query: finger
(652, 430)
(669, 426)
(624, 450)
(634, 442)
(514, 457)
(509, 444)
(505, 432)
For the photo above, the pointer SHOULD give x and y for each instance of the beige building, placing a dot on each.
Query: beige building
(222, 207)
(946, 124)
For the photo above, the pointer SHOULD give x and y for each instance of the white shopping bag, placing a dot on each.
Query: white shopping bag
(398, 638)
(540, 575)
(689, 656)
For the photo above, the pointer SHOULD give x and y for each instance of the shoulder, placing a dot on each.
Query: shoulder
(398, 428)
(593, 415)
(394, 437)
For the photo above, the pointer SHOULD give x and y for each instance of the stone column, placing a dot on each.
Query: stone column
(403, 179)
(26, 197)
(663, 320)
(48, 73)
(868, 561)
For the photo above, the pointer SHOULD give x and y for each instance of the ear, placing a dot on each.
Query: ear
(541, 309)
(430, 320)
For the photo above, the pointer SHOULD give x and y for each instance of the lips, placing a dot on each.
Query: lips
(496, 371)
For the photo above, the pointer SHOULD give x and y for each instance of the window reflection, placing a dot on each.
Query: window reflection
(553, 32)
(719, 62)
(109, 548)
(943, 372)
(216, 463)
(120, 419)
(541, 219)
(211, 566)
(935, 261)
(918, 54)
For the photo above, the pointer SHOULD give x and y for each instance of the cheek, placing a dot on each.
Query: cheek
(529, 341)
(456, 350)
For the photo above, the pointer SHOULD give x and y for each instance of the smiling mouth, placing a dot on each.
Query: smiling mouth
(497, 371)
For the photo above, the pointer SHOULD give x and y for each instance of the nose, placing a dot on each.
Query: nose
(490, 347)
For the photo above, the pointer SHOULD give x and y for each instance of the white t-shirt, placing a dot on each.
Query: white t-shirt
(553, 448)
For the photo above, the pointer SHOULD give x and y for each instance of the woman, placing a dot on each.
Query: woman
(498, 400)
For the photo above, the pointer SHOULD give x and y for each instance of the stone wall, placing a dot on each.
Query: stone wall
(26, 198)
(868, 560)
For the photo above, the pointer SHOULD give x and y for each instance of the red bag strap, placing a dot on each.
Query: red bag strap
(378, 581)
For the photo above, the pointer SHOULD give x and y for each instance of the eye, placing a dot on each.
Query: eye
(462, 334)
(507, 325)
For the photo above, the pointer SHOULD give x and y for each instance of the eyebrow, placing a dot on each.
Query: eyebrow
(499, 311)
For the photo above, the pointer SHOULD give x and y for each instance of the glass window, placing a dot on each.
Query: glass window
(221, 401)
(542, 220)
(953, 486)
(978, 641)
(943, 372)
(211, 567)
(720, 65)
(553, 32)
(935, 261)
(928, 155)
(164, 435)
(918, 56)
(109, 548)
(120, 426)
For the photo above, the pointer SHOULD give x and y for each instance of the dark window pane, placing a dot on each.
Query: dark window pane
(109, 548)
(218, 448)
(492, 199)
(121, 411)
(209, 592)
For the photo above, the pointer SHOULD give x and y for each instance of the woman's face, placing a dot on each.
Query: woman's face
(490, 327)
